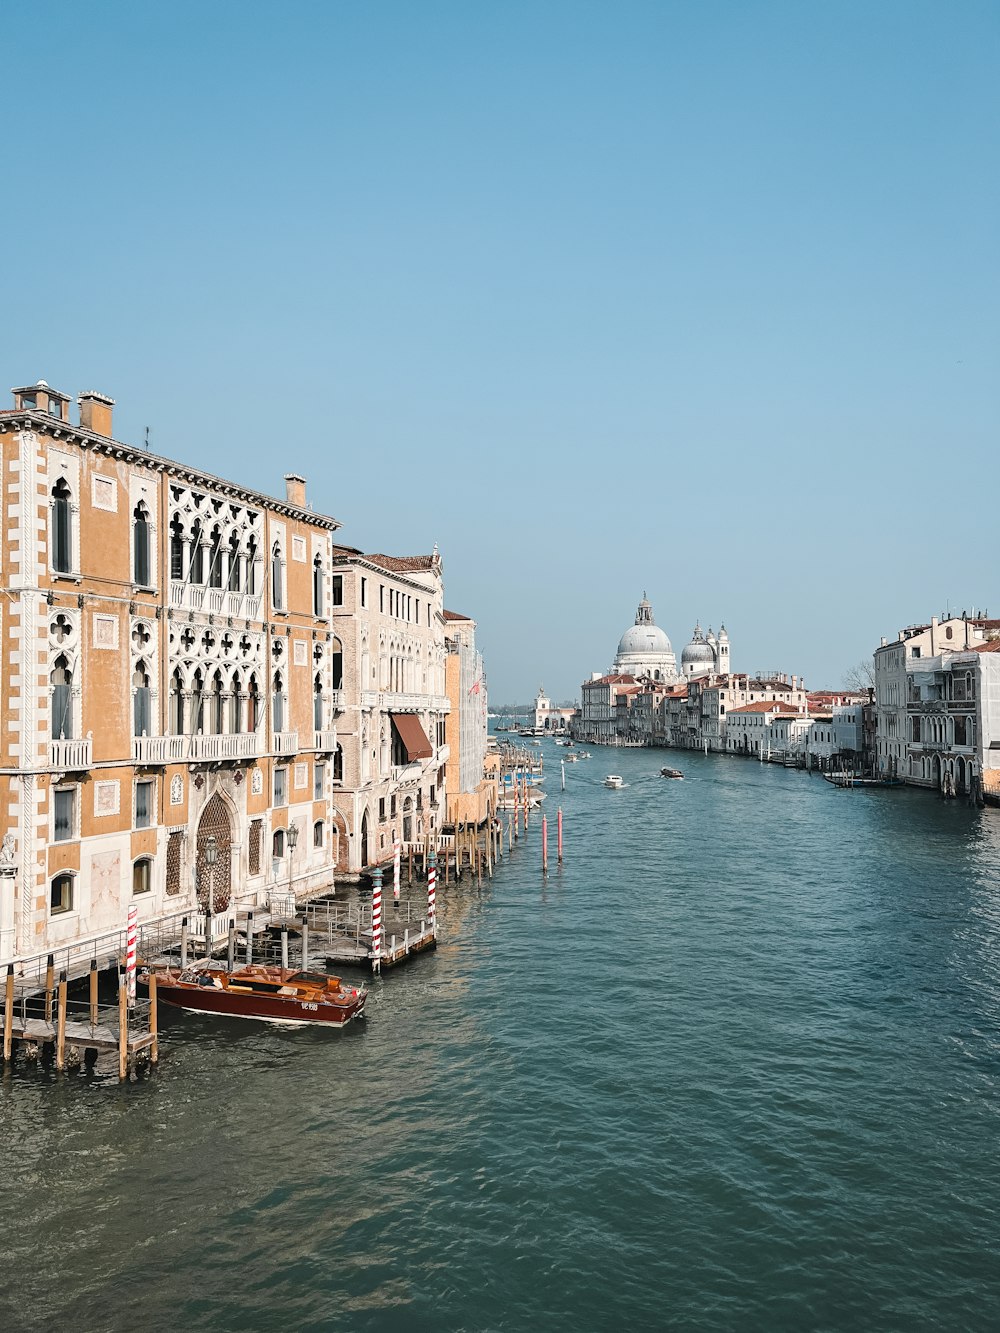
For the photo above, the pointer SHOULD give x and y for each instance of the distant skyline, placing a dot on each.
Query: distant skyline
(700, 300)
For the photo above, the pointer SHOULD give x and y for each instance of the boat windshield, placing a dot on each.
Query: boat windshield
(314, 978)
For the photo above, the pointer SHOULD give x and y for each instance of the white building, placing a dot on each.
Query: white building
(892, 664)
(389, 773)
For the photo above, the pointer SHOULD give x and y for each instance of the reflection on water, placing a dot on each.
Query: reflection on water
(733, 1065)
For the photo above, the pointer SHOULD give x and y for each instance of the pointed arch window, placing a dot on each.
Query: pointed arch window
(251, 567)
(253, 705)
(218, 705)
(318, 586)
(197, 703)
(338, 764)
(196, 562)
(235, 573)
(215, 559)
(277, 705)
(176, 548)
(236, 706)
(176, 720)
(62, 528)
(337, 664)
(140, 545)
(277, 598)
(141, 719)
(61, 680)
(318, 702)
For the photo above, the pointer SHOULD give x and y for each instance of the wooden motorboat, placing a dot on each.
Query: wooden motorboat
(271, 994)
(671, 773)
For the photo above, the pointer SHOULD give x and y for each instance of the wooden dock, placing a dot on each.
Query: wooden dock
(73, 1031)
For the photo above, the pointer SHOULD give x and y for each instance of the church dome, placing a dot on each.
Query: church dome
(644, 639)
(698, 652)
(644, 649)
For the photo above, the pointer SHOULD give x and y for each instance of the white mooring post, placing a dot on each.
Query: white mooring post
(377, 919)
(431, 891)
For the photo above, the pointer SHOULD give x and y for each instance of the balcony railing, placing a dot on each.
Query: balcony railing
(159, 749)
(237, 745)
(338, 700)
(397, 702)
(216, 601)
(285, 742)
(71, 754)
(325, 741)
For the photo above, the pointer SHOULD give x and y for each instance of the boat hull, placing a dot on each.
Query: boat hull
(264, 1008)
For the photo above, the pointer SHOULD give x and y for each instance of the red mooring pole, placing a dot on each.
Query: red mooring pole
(559, 834)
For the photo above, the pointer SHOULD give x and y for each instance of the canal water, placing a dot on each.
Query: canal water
(736, 1065)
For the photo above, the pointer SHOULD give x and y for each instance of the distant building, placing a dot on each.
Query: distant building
(550, 717)
(467, 788)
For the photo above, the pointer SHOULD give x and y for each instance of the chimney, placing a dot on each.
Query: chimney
(95, 412)
(295, 489)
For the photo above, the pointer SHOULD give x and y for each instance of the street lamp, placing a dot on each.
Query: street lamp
(211, 856)
(293, 837)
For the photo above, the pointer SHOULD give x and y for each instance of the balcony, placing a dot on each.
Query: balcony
(443, 754)
(216, 601)
(285, 742)
(403, 773)
(338, 700)
(159, 749)
(71, 754)
(325, 741)
(369, 698)
(238, 745)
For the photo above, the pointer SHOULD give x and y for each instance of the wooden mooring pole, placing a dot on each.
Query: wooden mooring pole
(122, 1027)
(184, 944)
(93, 992)
(545, 845)
(559, 834)
(154, 1027)
(50, 974)
(61, 1024)
(8, 1015)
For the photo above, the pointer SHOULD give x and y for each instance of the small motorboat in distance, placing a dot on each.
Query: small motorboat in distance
(271, 994)
(614, 782)
(671, 773)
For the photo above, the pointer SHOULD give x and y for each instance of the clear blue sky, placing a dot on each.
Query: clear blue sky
(700, 299)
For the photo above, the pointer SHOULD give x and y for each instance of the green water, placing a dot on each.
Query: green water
(734, 1066)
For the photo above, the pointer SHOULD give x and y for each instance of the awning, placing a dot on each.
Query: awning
(413, 736)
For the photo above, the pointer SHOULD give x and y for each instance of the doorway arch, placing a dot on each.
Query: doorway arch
(215, 822)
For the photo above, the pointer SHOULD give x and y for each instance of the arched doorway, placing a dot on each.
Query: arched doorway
(215, 822)
(936, 772)
(960, 779)
(364, 840)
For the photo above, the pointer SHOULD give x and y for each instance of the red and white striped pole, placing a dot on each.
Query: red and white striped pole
(559, 833)
(525, 805)
(517, 806)
(545, 845)
(432, 875)
(377, 919)
(395, 867)
(130, 939)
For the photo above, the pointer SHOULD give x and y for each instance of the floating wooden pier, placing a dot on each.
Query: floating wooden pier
(73, 1031)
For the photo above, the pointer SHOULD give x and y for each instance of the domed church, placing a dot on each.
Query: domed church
(706, 653)
(644, 649)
